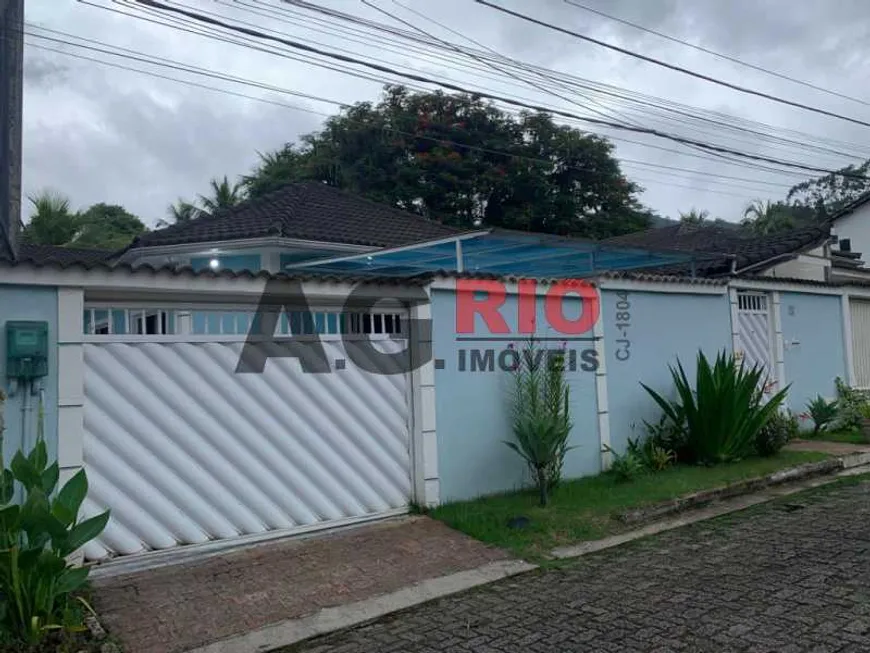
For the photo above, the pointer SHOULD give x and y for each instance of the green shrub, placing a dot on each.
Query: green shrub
(625, 467)
(541, 419)
(773, 436)
(723, 412)
(36, 536)
(849, 403)
(653, 456)
(670, 437)
(822, 412)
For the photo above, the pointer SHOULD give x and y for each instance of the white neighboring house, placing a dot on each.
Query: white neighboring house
(851, 226)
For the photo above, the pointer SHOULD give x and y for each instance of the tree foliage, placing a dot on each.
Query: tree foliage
(223, 195)
(181, 211)
(464, 162)
(766, 217)
(101, 226)
(52, 222)
(695, 217)
(822, 197)
(107, 226)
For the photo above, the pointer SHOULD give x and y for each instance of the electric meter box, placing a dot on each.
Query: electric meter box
(26, 350)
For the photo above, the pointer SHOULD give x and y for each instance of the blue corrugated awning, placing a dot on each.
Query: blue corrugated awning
(501, 252)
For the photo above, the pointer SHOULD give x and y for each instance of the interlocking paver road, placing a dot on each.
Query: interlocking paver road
(786, 577)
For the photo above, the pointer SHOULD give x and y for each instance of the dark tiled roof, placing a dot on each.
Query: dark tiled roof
(731, 244)
(46, 254)
(686, 237)
(307, 211)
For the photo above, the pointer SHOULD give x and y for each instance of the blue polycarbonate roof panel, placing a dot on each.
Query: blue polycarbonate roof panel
(503, 253)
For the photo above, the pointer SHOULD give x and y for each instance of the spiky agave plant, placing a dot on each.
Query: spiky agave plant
(725, 409)
(540, 416)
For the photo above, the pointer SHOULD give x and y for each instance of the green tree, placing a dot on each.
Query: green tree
(107, 226)
(766, 217)
(223, 195)
(101, 226)
(180, 212)
(52, 222)
(464, 162)
(695, 217)
(818, 199)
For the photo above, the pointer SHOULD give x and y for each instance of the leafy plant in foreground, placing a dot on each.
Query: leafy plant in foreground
(822, 412)
(36, 536)
(540, 416)
(725, 409)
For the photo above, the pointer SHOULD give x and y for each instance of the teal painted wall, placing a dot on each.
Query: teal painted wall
(813, 353)
(662, 327)
(234, 262)
(40, 304)
(473, 408)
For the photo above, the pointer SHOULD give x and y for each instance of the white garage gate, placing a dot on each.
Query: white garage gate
(184, 450)
(860, 314)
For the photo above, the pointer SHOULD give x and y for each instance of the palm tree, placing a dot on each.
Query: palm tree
(224, 195)
(182, 211)
(52, 222)
(695, 217)
(767, 218)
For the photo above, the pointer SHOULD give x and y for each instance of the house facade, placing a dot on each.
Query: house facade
(390, 388)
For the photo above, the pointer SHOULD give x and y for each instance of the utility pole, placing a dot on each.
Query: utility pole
(11, 110)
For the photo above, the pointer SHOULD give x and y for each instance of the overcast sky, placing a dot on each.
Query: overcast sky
(99, 134)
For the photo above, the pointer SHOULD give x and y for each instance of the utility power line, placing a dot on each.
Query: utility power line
(460, 50)
(567, 80)
(298, 108)
(670, 66)
(504, 71)
(805, 142)
(127, 53)
(713, 53)
(209, 33)
(257, 33)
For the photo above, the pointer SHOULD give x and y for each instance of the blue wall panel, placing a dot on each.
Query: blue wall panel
(814, 355)
(473, 407)
(646, 332)
(39, 304)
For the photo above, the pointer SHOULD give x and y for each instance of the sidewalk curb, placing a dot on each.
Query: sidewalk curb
(291, 631)
(702, 498)
(724, 507)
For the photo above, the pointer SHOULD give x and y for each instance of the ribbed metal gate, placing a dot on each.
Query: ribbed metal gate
(184, 450)
(754, 332)
(860, 309)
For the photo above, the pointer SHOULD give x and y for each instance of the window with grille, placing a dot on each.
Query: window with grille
(127, 321)
(752, 302)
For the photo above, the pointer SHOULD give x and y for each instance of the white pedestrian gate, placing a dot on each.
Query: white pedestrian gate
(860, 310)
(754, 332)
(184, 450)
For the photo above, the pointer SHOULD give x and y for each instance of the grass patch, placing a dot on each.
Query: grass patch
(584, 509)
(851, 437)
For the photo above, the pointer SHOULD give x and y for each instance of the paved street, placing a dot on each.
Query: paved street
(784, 577)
